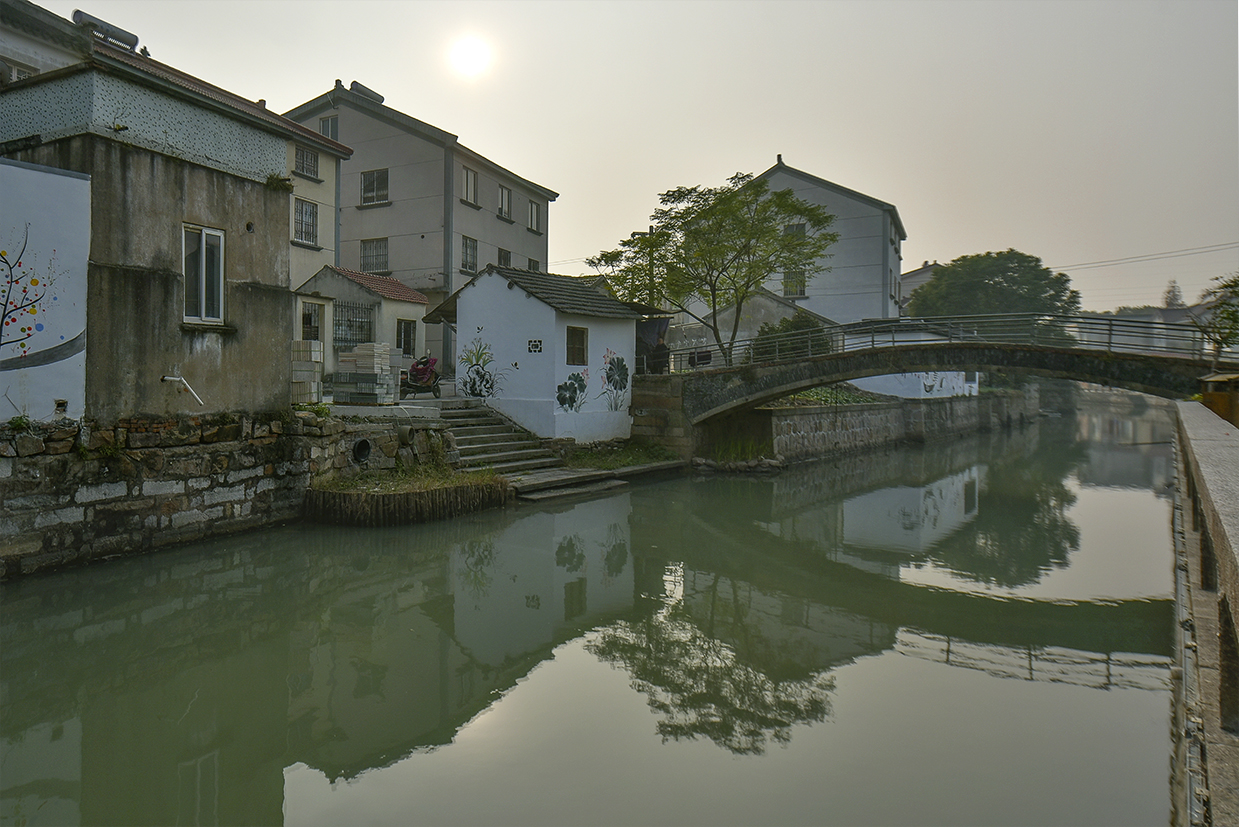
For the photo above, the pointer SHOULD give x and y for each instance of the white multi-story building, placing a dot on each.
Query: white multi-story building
(417, 205)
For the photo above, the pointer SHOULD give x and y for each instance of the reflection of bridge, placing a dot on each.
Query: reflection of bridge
(707, 382)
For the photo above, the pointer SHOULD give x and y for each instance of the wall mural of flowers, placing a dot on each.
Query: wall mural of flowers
(479, 379)
(614, 380)
(571, 394)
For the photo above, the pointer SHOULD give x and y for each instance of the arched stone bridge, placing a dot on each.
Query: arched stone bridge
(1163, 360)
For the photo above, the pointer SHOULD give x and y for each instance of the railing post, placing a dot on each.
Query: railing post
(1109, 335)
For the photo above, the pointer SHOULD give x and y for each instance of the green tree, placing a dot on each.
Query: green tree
(1006, 282)
(794, 337)
(1221, 327)
(1173, 297)
(711, 248)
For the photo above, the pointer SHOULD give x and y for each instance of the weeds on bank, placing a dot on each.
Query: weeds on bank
(425, 476)
(610, 456)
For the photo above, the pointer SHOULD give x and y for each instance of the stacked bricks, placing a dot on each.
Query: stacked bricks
(307, 379)
(364, 376)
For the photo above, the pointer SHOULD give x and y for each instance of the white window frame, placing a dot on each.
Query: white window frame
(374, 190)
(305, 222)
(505, 202)
(329, 127)
(468, 254)
(204, 286)
(535, 216)
(470, 185)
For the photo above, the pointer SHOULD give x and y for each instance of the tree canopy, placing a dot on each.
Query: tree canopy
(710, 248)
(1222, 325)
(1006, 282)
(1173, 297)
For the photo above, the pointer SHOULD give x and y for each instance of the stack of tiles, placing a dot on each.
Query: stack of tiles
(307, 380)
(363, 376)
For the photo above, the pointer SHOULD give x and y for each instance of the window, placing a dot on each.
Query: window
(203, 257)
(353, 324)
(471, 186)
(793, 283)
(505, 257)
(305, 221)
(406, 336)
(505, 202)
(374, 255)
(329, 127)
(374, 187)
(535, 265)
(468, 253)
(306, 162)
(535, 217)
(311, 322)
(578, 345)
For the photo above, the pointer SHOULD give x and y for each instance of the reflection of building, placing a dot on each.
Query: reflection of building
(911, 519)
(1130, 439)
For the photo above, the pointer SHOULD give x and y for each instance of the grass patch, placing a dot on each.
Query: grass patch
(421, 477)
(612, 455)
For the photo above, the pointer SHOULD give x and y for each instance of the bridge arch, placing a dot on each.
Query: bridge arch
(708, 394)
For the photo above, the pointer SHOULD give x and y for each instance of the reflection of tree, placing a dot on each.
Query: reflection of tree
(1021, 530)
(704, 687)
(569, 554)
(614, 552)
(478, 556)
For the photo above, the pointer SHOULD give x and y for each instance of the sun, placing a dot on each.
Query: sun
(470, 56)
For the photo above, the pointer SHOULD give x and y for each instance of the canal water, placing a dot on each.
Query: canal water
(973, 632)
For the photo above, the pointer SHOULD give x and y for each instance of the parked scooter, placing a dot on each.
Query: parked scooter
(420, 377)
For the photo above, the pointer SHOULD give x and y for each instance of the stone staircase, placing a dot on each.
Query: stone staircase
(487, 440)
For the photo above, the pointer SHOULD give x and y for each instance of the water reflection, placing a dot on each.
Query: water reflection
(176, 688)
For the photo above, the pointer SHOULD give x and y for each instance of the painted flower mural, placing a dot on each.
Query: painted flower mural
(571, 394)
(614, 380)
(25, 297)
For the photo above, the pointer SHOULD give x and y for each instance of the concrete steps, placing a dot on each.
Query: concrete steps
(487, 440)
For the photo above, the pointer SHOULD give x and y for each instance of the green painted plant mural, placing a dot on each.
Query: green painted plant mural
(614, 380)
(478, 378)
(571, 394)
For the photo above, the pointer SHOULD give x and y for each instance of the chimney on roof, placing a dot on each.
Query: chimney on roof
(925, 263)
(780, 157)
(364, 92)
(113, 35)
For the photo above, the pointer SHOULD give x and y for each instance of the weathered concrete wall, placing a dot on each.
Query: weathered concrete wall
(1209, 471)
(71, 493)
(136, 333)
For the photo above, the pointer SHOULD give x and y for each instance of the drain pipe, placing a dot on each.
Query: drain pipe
(184, 387)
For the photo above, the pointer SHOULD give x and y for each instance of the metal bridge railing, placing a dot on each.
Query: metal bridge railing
(1094, 333)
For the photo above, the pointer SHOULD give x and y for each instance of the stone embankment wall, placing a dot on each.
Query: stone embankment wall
(1209, 534)
(71, 493)
(814, 432)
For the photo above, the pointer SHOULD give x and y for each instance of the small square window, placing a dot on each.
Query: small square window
(794, 283)
(505, 202)
(470, 186)
(505, 257)
(306, 162)
(468, 253)
(374, 187)
(311, 322)
(305, 221)
(374, 255)
(535, 265)
(578, 345)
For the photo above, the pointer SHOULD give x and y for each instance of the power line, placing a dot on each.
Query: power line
(1114, 262)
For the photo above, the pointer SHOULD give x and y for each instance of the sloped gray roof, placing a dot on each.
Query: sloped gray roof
(580, 296)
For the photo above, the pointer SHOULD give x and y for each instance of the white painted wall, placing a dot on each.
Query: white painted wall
(47, 361)
(528, 343)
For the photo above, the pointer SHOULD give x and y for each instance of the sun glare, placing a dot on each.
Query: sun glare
(470, 56)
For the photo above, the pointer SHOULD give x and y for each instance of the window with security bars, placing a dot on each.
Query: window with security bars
(374, 255)
(406, 336)
(793, 283)
(305, 221)
(353, 324)
(374, 186)
(468, 253)
(306, 162)
(311, 321)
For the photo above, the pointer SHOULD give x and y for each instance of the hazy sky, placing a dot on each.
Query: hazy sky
(1078, 131)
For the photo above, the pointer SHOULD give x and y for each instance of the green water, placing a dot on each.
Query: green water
(977, 632)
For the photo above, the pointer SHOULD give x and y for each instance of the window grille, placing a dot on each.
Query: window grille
(306, 162)
(374, 186)
(305, 221)
(468, 254)
(311, 321)
(406, 336)
(374, 255)
(353, 324)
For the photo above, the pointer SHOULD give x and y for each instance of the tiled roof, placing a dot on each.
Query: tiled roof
(385, 286)
(579, 295)
(189, 83)
(568, 294)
